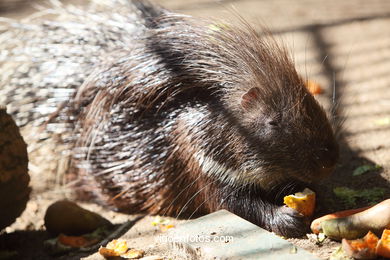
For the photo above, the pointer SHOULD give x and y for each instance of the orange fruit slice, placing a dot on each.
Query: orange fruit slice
(383, 247)
(303, 202)
(313, 87)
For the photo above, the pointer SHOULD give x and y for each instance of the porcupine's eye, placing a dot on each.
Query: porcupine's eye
(269, 125)
(273, 123)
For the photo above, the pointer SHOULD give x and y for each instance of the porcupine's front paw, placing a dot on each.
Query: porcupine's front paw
(288, 222)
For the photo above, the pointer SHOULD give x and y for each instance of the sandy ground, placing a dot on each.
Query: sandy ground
(343, 45)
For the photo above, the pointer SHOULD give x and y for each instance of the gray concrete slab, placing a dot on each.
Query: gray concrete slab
(223, 235)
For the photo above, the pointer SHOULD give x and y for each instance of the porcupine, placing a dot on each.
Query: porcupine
(168, 115)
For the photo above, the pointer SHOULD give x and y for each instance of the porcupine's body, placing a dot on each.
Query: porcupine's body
(174, 117)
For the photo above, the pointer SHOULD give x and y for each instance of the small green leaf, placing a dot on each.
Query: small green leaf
(365, 168)
(350, 196)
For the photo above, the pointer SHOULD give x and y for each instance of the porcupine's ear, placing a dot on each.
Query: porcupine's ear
(250, 98)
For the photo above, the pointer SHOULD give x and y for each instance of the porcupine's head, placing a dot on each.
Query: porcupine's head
(287, 135)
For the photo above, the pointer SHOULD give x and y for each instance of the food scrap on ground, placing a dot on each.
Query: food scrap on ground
(76, 227)
(162, 223)
(76, 241)
(363, 248)
(63, 243)
(358, 230)
(119, 248)
(303, 202)
(375, 219)
(313, 87)
(368, 247)
(383, 247)
(165, 228)
(316, 224)
(114, 248)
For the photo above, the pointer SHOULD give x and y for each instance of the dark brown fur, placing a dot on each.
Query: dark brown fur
(275, 135)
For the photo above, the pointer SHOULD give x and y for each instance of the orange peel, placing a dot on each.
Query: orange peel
(303, 202)
(313, 87)
(363, 248)
(383, 247)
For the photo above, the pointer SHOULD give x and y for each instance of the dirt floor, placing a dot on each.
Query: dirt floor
(342, 45)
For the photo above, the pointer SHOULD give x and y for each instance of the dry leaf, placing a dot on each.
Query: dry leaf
(114, 248)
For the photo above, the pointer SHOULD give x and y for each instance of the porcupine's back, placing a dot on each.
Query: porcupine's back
(46, 57)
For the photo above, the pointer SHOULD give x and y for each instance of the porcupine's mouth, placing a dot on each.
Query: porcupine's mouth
(276, 185)
(278, 192)
(286, 185)
(298, 182)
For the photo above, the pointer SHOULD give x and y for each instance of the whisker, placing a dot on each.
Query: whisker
(334, 88)
(215, 194)
(177, 196)
(192, 197)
